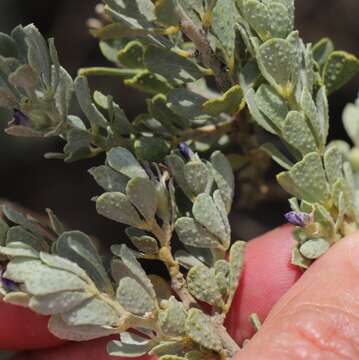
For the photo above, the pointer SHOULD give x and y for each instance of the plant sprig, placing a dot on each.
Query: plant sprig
(213, 71)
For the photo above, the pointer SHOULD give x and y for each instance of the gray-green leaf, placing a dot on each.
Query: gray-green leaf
(203, 285)
(122, 160)
(117, 207)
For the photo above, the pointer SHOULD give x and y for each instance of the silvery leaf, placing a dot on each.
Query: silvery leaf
(135, 349)
(217, 197)
(118, 269)
(152, 149)
(141, 11)
(142, 194)
(64, 92)
(78, 247)
(256, 323)
(221, 269)
(85, 100)
(38, 53)
(8, 46)
(299, 260)
(116, 206)
(224, 177)
(313, 185)
(176, 166)
(351, 122)
(206, 213)
(202, 285)
(93, 312)
(131, 55)
(230, 102)
(55, 223)
(135, 268)
(122, 160)
(170, 65)
(134, 297)
(168, 348)
(20, 219)
(172, 318)
(19, 36)
(16, 249)
(194, 234)
(274, 19)
(278, 61)
(20, 234)
(333, 163)
(109, 179)
(310, 110)
(201, 330)
(236, 263)
(340, 68)
(321, 214)
(166, 13)
(287, 183)
(40, 279)
(225, 30)
(172, 357)
(186, 103)
(277, 156)
(60, 329)
(204, 255)
(295, 124)
(78, 145)
(314, 248)
(186, 260)
(271, 105)
(24, 77)
(58, 303)
(258, 16)
(162, 111)
(149, 83)
(322, 49)
(4, 227)
(144, 243)
(17, 298)
(197, 176)
(61, 263)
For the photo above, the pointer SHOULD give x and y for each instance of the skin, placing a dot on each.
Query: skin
(314, 319)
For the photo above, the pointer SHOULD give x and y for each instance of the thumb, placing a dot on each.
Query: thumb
(319, 317)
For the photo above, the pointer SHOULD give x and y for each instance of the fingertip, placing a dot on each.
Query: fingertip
(267, 275)
(318, 316)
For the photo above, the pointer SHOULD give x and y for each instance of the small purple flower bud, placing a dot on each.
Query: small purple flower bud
(8, 284)
(185, 150)
(21, 118)
(297, 218)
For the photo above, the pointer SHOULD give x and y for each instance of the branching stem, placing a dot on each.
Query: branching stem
(199, 38)
(204, 131)
(108, 71)
(178, 282)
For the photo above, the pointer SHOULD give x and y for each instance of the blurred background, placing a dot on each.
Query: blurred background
(31, 181)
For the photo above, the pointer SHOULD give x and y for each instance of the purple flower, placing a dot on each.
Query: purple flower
(8, 284)
(20, 118)
(185, 150)
(297, 218)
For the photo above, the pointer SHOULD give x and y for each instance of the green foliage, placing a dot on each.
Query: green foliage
(200, 63)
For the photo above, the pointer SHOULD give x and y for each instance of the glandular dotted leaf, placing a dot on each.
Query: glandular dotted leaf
(134, 297)
(203, 285)
(201, 330)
